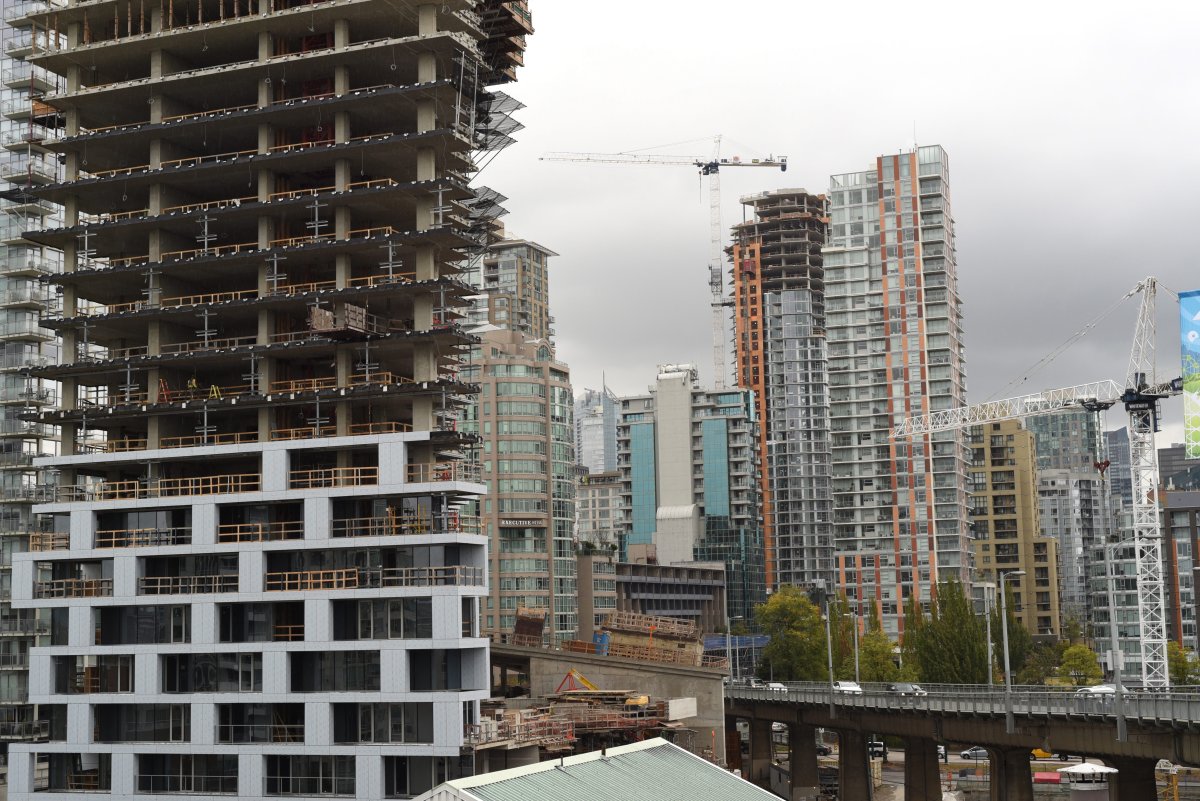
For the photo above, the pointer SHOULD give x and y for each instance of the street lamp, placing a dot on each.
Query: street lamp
(829, 655)
(854, 622)
(1009, 723)
(1110, 576)
(989, 587)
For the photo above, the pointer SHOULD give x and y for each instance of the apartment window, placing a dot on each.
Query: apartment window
(435, 669)
(383, 619)
(383, 723)
(310, 775)
(211, 673)
(338, 671)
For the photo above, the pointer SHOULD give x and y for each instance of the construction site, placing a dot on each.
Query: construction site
(545, 706)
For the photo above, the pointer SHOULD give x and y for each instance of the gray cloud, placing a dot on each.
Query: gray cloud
(1071, 130)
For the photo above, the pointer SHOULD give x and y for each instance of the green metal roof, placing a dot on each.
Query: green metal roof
(655, 770)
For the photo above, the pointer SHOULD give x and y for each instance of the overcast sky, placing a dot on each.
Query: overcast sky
(1072, 130)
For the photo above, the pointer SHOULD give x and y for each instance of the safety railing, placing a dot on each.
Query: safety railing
(302, 432)
(143, 537)
(49, 541)
(186, 585)
(296, 580)
(260, 733)
(449, 576)
(333, 477)
(1027, 701)
(420, 473)
(385, 427)
(185, 783)
(261, 532)
(73, 588)
(163, 488)
(287, 632)
(216, 438)
(23, 627)
(25, 729)
(393, 525)
(521, 730)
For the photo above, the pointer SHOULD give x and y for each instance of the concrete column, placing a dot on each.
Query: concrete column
(1135, 780)
(1010, 779)
(921, 779)
(760, 753)
(802, 761)
(854, 767)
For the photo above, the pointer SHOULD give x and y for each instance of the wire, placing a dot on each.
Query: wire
(1046, 360)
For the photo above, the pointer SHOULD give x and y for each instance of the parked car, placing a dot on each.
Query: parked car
(906, 688)
(941, 752)
(775, 686)
(975, 752)
(777, 726)
(848, 687)
(876, 748)
(823, 750)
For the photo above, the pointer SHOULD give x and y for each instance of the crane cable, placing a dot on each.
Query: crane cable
(1046, 360)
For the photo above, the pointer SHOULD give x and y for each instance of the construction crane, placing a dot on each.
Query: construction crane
(1140, 395)
(710, 168)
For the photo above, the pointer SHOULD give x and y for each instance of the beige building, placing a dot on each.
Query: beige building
(1004, 516)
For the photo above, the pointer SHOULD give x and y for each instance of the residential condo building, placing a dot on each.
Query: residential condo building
(596, 413)
(689, 462)
(26, 163)
(894, 328)
(1005, 522)
(264, 567)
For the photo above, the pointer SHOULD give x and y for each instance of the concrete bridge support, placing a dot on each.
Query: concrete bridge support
(802, 760)
(854, 767)
(1010, 778)
(922, 781)
(1135, 780)
(761, 752)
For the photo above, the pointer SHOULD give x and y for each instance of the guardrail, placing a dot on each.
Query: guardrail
(1027, 701)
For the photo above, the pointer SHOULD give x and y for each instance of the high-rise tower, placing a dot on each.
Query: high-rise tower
(26, 163)
(266, 571)
(895, 350)
(527, 455)
(779, 342)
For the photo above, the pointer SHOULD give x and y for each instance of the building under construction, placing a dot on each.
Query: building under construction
(266, 210)
(779, 322)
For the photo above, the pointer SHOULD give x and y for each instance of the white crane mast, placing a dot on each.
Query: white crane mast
(710, 168)
(1140, 395)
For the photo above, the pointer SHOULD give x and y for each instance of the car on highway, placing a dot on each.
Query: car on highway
(975, 752)
(776, 687)
(848, 687)
(906, 688)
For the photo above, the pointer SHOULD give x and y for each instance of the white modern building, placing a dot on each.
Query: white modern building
(325, 643)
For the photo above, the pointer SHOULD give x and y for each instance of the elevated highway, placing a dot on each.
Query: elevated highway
(1160, 725)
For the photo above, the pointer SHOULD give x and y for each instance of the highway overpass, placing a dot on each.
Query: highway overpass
(1160, 725)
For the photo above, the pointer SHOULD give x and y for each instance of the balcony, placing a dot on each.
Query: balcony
(333, 477)
(363, 578)
(186, 783)
(392, 525)
(14, 661)
(143, 537)
(261, 532)
(261, 733)
(162, 488)
(73, 588)
(443, 471)
(295, 580)
(186, 585)
(23, 627)
(25, 730)
(49, 541)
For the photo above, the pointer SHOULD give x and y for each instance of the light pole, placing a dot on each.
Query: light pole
(1009, 723)
(1110, 575)
(829, 655)
(989, 588)
(854, 623)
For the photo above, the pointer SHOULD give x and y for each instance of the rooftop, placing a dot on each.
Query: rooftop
(655, 770)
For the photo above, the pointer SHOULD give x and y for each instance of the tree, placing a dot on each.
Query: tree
(1182, 665)
(910, 642)
(1020, 641)
(796, 651)
(876, 657)
(952, 648)
(1080, 666)
(1041, 663)
(1072, 629)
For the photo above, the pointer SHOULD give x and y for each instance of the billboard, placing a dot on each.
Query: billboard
(1189, 330)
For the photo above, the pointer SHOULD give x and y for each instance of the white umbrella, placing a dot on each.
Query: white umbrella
(1087, 770)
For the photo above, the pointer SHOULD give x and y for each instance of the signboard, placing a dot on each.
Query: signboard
(1189, 330)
